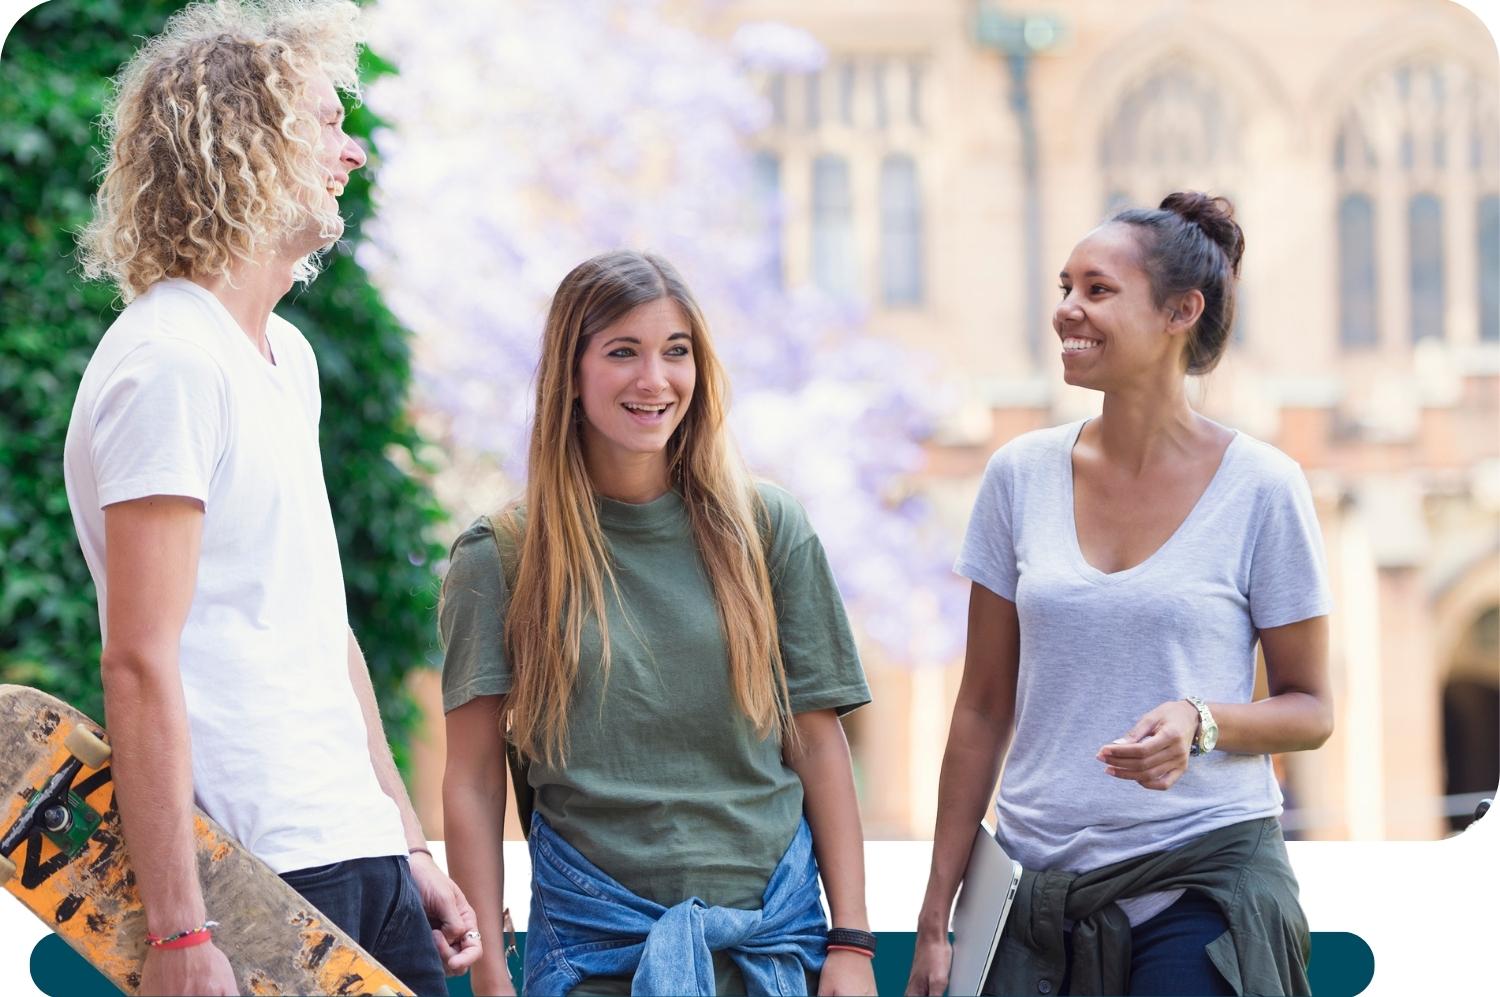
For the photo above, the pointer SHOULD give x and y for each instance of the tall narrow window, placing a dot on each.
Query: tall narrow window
(1425, 241)
(833, 257)
(767, 170)
(813, 108)
(915, 70)
(1489, 268)
(776, 94)
(848, 78)
(900, 231)
(1357, 271)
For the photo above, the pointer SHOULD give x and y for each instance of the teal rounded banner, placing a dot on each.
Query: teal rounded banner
(1342, 966)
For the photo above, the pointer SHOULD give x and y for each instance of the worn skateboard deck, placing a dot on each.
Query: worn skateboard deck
(63, 856)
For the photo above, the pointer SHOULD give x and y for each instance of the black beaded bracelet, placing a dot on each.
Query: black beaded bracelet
(852, 937)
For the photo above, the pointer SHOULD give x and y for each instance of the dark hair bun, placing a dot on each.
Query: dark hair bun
(1215, 216)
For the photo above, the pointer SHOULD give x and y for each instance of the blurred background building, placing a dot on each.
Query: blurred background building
(931, 165)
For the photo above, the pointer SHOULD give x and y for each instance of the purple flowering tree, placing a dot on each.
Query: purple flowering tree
(524, 137)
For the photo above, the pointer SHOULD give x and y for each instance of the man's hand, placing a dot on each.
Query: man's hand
(930, 965)
(846, 973)
(199, 969)
(449, 914)
(1155, 751)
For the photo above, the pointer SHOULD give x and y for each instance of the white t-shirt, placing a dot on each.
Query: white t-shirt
(1100, 650)
(177, 401)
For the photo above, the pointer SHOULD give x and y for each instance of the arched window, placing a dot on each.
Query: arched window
(833, 256)
(900, 231)
(1175, 129)
(1357, 271)
(1416, 151)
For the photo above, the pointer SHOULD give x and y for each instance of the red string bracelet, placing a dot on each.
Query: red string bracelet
(852, 948)
(183, 939)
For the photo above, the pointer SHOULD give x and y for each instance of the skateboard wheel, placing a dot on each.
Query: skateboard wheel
(86, 746)
(7, 870)
(385, 991)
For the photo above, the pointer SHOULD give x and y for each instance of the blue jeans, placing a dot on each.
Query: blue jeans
(376, 903)
(1167, 951)
(585, 924)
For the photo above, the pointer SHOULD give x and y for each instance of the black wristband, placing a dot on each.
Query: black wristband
(852, 936)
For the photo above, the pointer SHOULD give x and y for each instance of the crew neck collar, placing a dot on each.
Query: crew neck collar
(667, 510)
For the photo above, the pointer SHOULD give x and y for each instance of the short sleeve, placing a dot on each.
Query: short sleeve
(471, 619)
(823, 671)
(988, 554)
(1288, 571)
(160, 424)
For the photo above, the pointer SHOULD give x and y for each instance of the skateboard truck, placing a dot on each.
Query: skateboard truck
(69, 824)
(54, 809)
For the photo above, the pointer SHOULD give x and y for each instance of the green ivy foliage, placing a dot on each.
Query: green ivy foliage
(54, 74)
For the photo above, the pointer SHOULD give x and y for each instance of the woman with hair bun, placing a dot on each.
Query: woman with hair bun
(1124, 568)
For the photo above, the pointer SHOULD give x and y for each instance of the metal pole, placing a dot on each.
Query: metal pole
(1031, 206)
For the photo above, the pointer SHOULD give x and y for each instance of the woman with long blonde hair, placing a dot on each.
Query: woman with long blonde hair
(661, 639)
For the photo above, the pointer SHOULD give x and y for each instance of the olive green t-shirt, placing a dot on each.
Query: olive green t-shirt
(666, 786)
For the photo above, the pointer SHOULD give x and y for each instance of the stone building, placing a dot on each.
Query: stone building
(939, 166)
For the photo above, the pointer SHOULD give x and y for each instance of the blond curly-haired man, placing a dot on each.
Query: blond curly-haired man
(231, 676)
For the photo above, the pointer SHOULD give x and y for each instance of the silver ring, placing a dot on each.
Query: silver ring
(472, 936)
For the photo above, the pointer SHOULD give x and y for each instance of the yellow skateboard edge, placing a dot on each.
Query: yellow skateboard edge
(101, 895)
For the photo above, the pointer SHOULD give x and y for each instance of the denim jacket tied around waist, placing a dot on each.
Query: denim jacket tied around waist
(585, 924)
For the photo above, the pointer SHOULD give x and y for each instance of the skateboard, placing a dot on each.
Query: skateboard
(63, 856)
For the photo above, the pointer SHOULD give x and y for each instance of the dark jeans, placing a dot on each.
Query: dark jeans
(376, 902)
(1167, 957)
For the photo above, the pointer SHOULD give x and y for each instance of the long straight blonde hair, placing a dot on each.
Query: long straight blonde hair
(560, 576)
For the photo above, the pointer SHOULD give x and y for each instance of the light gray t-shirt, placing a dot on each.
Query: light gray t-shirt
(1100, 650)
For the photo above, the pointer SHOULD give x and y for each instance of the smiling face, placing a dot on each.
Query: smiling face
(1112, 331)
(338, 156)
(635, 383)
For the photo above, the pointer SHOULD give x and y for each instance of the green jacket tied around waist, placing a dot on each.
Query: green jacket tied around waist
(1243, 868)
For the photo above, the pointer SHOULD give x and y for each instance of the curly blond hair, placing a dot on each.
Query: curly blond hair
(212, 152)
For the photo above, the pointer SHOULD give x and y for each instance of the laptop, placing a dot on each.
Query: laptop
(989, 887)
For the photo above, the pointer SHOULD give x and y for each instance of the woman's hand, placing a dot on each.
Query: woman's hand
(821, 761)
(847, 973)
(1155, 751)
(930, 965)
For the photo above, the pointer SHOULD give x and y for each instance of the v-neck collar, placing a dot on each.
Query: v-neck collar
(1081, 563)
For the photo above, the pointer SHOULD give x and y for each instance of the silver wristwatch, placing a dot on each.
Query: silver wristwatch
(1208, 729)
